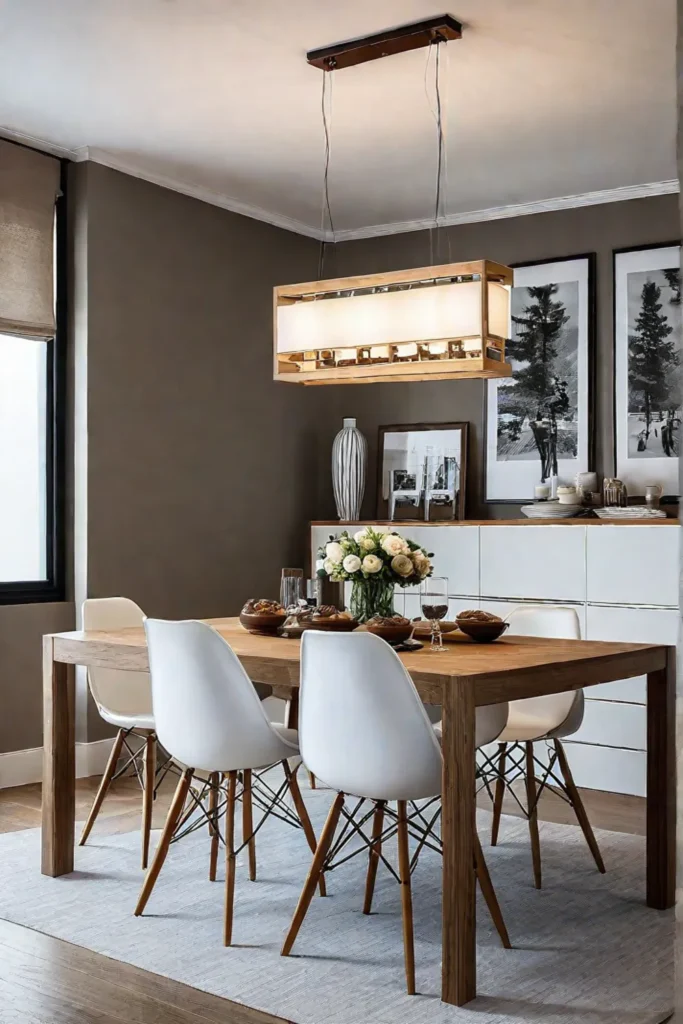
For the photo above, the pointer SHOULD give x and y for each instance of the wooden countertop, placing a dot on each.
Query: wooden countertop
(406, 524)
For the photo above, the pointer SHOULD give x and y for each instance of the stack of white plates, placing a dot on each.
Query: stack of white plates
(630, 512)
(550, 510)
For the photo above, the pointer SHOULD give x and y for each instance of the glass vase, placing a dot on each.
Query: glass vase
(372, 597)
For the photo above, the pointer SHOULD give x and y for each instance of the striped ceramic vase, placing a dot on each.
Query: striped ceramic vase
(349, 467)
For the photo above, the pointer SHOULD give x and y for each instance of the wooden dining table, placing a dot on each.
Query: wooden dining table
(463, 678)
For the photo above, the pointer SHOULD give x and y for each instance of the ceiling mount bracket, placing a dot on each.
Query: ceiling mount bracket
(440, 29)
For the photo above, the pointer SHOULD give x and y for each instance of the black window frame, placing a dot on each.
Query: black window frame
(53, 587)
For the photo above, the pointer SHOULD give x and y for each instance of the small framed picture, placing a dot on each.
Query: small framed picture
(539, 420)
(648, 369)
(421, 472)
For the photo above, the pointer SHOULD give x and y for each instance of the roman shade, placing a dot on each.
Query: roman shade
(29, 185)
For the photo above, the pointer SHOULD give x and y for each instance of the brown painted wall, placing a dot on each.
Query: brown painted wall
(597, 229)
(202, 471)
(21, 631)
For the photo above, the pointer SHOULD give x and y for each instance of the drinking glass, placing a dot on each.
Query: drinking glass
(434, 600)
(291, 590)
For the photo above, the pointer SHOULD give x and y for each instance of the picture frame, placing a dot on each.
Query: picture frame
(648, 366)
(554, 308)
(422, 472)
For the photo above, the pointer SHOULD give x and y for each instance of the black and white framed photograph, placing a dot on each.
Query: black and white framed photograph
(647, 367)
(539, 420)
(421, 472)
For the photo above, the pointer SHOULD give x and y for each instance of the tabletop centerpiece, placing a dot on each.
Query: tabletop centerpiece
(375, 563)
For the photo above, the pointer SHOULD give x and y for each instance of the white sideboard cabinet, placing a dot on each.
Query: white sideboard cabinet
(622, 579)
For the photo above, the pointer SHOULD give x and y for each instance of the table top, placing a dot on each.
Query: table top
(507, 669)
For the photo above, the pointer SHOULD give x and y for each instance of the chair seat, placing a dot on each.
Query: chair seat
(128, 721)
(290, 736)
(489, 720)
(527, 721)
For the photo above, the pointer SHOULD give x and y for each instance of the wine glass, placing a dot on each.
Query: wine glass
(434, 600)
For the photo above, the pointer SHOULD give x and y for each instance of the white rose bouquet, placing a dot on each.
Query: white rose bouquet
(375, 563)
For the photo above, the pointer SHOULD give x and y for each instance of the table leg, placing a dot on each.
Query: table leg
(458, 824)
(59, 764)
(292, 710)
(661, 785)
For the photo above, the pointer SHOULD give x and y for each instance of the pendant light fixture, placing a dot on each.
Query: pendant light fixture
(444, 322)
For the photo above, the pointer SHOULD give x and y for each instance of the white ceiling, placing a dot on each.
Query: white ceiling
(544, 99)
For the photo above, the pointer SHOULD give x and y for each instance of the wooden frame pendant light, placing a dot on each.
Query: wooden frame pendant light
(444, 322)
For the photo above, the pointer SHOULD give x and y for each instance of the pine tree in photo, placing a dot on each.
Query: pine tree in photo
(673, 279)
(653, 364)
(538, 395)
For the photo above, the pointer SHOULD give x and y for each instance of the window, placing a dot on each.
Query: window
(31, 436)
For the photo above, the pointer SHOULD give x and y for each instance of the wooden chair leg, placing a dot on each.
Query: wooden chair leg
(499, 794)
(489, 893)
(214, 783)
(406, 896)
(311, 780)
(105, 783)
(229, 858)
(374, 855)
(323, 848)
(579, 809)
(301, 810)
(248, 823)
(533, 814)
(161, 851)
(150, 771)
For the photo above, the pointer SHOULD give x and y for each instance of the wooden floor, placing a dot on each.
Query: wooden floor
(47, 981)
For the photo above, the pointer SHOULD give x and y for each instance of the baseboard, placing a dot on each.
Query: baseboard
(21, 767)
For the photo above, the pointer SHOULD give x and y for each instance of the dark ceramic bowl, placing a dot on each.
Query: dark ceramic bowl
(260, 622)
(482, 632)
(393, 634)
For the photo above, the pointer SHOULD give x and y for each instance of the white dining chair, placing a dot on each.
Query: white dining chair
(364, 732)
(124, 700)
(210, 720)
(547, 719)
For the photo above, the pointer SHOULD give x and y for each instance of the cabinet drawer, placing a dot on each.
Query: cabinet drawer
(629, 625)
(613, 724)
(542, 562)
(606, 768)
(629, 691)
(633, 564)
(456, 554)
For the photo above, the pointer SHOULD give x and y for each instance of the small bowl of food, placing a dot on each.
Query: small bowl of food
(483, 627)
(395, 629)
(326, 616)
(263, 616)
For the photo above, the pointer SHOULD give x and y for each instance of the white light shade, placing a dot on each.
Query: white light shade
(447, 322)
(499, 309)
(430, 313)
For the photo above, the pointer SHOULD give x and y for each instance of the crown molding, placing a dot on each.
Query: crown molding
(609, 195)
(137, 170)
(206, 195)
(62, 152)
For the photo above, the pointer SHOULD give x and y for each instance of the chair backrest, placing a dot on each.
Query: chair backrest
(122, 693)
(559, 623)
(207, 712)
(362, 727)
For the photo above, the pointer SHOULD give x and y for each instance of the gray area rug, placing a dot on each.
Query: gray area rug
(586, 949)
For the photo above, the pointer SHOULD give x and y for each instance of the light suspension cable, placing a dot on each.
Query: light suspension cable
(441, 163)
(326, 211)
